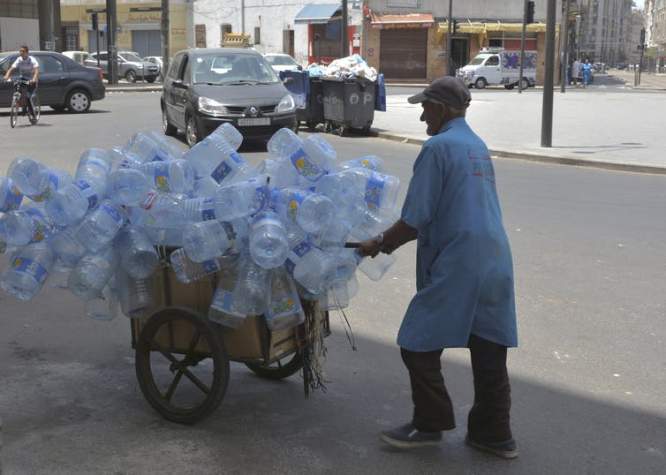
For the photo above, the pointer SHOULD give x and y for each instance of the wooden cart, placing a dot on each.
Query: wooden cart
(176, 345)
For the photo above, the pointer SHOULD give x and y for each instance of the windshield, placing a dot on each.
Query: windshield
(478, 60)
(281, 60)
(131, 57)
(230, 68)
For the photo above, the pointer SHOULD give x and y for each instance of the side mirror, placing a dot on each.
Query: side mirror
(300, 68)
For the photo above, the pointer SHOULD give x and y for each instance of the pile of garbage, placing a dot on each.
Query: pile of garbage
(351, 67)
(278, 229)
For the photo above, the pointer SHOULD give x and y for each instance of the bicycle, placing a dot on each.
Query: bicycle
(20, 100)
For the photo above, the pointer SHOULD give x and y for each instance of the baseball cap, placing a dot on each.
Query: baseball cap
(446, 90)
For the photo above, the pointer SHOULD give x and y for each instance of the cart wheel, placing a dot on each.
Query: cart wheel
(341, 130)
(182, 388)
(312, 126)
(279, 369)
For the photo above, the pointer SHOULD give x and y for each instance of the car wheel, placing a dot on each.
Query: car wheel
(480, 83)
(167, 127)
(151, 80)
(130, 76)
(524, 83)
(78, 101)
(191, 132)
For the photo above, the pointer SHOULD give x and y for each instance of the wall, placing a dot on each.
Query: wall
(15, 32)
(472, 9)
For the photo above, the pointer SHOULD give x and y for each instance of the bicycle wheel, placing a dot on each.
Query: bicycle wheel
(13, 114)
(36, 110)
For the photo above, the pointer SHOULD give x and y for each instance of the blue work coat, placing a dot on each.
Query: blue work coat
(464, 271)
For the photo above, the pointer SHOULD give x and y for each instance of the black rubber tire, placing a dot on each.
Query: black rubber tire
(524, 83)
(151, 80)
(13, 114)
(282, 371)
(192, 136)
(78, 101)
(480, 83)
(167, 127)
(312, 126)
(509, 86)
(130, 76)
(144, 374)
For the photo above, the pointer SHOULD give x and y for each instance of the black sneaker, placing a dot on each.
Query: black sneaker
(408, 437)
(506, 449)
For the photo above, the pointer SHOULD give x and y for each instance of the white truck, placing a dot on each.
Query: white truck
(499, 67)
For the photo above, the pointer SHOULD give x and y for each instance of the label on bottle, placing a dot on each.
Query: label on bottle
(54, 180)
(12, 199)
(224, 300)
(211, 266)
(30, 267)
(373, 192)
(296, 255)
(208, 209)
(40, 228)
(221, 172)
(262, 198)
(88, 192)
(161, 176)
(113, 212)
(235, 156)
(294, 200)
(287, 305)
(304, 166)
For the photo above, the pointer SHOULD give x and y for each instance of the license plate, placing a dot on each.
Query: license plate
(254, 121)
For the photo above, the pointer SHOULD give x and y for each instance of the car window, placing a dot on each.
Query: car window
(131, 57)
(222, 67)
(174, 68)
(493, 61)
(280, 61)
(476, 61)
(50, 65)
(6, 63)
(187, 71)
(102, 56)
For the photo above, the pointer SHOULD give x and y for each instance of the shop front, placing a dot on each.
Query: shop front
(324, 23)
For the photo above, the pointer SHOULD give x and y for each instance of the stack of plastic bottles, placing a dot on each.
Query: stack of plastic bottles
(277, 230)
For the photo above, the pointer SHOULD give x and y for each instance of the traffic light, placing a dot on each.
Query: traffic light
(95, 24)
(455, 26)
(529, 13)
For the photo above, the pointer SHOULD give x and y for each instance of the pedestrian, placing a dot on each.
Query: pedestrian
(587, 73)
(464, 278)
(575, 72)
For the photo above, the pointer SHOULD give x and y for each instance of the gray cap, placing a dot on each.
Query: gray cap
(446, 90)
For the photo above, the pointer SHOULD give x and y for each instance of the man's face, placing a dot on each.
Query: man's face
(23, 52)
(433, 116)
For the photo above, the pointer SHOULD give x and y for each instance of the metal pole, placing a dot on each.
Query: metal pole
(564, 31)
(640, 65)
(522, 49)
(111, 41)
(449, 43)
(165, 36)
(97, 41)
(243, 16)
(344, 33)
(549, 78)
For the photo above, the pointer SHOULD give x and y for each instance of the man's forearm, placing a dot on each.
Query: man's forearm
(397, 235)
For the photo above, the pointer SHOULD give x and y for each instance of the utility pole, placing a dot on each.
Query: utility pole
(449, 43)
(565, 46)
(112, 50)
(522, 49)
(344, 31)
(637, 81)
(549, 79)
(165, 37)
(242, 17)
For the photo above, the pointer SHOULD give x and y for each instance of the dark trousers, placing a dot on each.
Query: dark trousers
(488, 420)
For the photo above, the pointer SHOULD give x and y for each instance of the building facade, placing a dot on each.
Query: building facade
(605, 26)
(138, 25)
(407, 39)
(308, 30)
(655, 18)
(35, 23)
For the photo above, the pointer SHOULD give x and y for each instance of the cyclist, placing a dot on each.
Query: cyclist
(28, 69)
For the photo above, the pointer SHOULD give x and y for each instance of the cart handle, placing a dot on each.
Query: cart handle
(352, 245)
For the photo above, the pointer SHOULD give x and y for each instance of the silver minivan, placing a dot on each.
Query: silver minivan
(130, 66)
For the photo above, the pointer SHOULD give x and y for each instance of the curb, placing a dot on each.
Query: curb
(133, 89)
(530, 157)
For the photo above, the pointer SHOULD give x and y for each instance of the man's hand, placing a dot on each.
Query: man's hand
(370, 248)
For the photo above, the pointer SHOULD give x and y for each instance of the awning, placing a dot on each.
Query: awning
(478, 27)
(407, 20)
(318, 13)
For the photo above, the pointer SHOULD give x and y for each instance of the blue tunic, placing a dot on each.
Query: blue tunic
(464, 270)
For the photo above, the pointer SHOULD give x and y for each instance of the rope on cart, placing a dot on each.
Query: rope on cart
(314, 351)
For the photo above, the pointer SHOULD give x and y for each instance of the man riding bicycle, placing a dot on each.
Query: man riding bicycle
(28, 69)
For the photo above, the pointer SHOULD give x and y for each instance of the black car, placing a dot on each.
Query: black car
(63, 83)
(205, 88)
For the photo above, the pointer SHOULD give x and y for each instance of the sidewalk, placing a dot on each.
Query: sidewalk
(138, 86)
(649, 81)
(602, 129)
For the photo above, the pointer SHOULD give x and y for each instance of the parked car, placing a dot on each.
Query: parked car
(159, 62)
(78, 56)
(493, 67)
(205, 88)
(282, 62)
(130, 66)
(621, 66)
(63, 83)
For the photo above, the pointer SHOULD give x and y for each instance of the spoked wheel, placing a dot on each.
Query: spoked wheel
(13, 114)
(187, 385)
(37, 110)
(281, 369)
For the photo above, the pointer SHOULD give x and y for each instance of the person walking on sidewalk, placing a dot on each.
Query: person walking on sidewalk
(575, 72)
(464, 278)
(587, 73)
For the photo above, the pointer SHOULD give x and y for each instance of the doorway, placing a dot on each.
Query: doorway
(459, 52)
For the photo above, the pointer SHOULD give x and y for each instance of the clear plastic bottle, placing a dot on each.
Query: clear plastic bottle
(28, 270)
(176, 176)
(242, 199)
(188, 271)
(128, 185)
(217, 155)
(313, 212)
(311, 267)
(67, 247)
(376, 267)
(311, 158)
(381, 191)
(25, 225)
(10, 196)
(198, 209)
(135, 295)
(35, 180)
(100, 226)
(269, 244)
(153, 147)
(92, 273)
(223, 309)
(251, 287)
(283, 309)
(371, 162)
(103, 307)
(206, 240)
(138, 256)
(70, 204)
(281, 172)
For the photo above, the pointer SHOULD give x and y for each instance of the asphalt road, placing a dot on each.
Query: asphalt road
(588, 379)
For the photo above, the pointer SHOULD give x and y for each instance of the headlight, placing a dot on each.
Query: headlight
(211, 107)
(287, 104)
